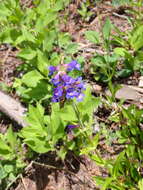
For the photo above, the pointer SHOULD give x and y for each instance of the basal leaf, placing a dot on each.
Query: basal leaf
(136, 38)
(107, 29)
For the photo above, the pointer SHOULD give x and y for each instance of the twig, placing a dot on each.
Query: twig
(57, 168)
(90, 48)
(10, 184)
(120, 16)
(22, 180)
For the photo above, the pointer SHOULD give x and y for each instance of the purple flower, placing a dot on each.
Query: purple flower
(80, 97)
(69, 67)
(52, 69)
(69, 128)
(66, 79)
(58, 93)
(71, 93)
(79, 83)
(66, 87)
(56, 80)
(73, 65)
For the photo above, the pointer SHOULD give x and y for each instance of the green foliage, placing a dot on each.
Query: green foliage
(12, 158)
(124, 171)
(45, 131)
(92, 36)
(33, 86)
(104, 67)
(35, 31)
(129, 50)
(120, 2)
(127, 53)
(84, 12)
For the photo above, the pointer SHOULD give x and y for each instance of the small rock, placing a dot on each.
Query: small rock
(96, 88)
(141, 81)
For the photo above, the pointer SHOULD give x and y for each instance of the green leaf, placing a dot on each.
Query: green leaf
(4, 11)
(9, 35)
(43, 7)
(91, 146)
(72, 48)
(99, 180)
(19, 40)
(50, 38)
(11, 138)
(32, 131)
(45, 20)
(97, 159)
(3, 173)
(32, 78)
(63, 39)
(57, 125)
(92, 36)
(107, 29)
(99, 61)
(27, 54)
(120, 51)
(124, 73)
(114, 117)
(28, 35)
(117, 167)
(58, 132)
(36, 116)
(42, 62)
(25, 36)
(35, 135)
(5, 150)
(67, 114)
(40, 92)
(38, 144)
(136, 39)
(107, 183)
(9, 168)
(89, 100)
(140, 184)
(40, 109)
(62, 153)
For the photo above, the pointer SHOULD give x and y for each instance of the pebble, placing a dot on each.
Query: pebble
(141, 81)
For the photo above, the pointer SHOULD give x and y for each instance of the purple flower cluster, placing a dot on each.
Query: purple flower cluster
(66, 87)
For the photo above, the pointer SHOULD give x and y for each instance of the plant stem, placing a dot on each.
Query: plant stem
(77, 114)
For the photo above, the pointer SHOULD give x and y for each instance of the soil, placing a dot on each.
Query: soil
(53, 174)
(75, 173)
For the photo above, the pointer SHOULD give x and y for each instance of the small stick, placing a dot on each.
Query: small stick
(23, 182)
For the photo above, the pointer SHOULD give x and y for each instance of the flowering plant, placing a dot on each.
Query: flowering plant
(65, 86)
